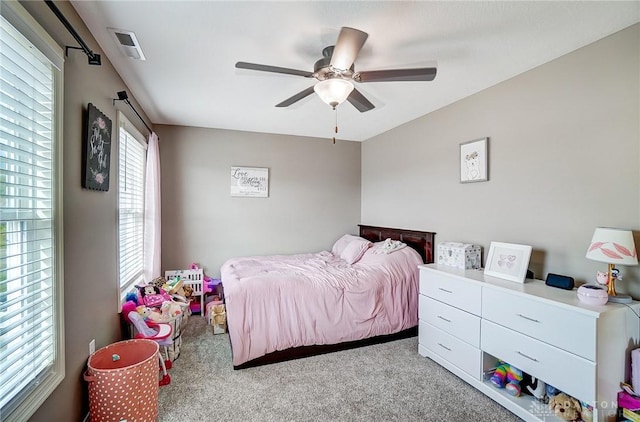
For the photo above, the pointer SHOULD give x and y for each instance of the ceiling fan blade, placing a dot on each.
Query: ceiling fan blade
(359, 101)
(274, 69)
(300, 95)
(393, 75)
(349, 44)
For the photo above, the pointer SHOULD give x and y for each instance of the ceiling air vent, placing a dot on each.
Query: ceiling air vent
(128, 43)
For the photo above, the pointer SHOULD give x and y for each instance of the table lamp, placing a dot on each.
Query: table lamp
(613, 246)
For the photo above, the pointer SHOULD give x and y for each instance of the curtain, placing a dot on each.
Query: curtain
(152, 220)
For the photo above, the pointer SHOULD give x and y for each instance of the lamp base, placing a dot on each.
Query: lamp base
(620, 298)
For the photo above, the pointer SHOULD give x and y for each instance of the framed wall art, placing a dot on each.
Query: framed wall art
(250, 182)
(508, 260)
(474, 161)
(96, 150)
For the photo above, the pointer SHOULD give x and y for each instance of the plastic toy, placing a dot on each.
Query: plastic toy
(207, 281)
(174, 287)
(161, 333)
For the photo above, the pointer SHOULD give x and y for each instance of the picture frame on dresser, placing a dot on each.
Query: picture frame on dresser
(509, 261)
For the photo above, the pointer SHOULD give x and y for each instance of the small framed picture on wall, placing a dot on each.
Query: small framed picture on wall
(474, 163)
(250, 182)
(96, 150)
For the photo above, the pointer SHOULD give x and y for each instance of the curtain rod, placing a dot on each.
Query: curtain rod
(92, 57)
(122, 96)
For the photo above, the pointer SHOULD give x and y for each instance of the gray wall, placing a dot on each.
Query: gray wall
(90, 266)
(314, 195)
(564, 156)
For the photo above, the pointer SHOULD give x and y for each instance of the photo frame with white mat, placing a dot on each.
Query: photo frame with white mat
(509, 261)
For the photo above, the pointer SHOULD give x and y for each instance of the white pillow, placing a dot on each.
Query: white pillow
(355, 249)
(342, 243)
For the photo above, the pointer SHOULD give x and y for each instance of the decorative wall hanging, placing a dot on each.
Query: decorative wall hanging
(473, 161)
(96, 150)
(250, 182)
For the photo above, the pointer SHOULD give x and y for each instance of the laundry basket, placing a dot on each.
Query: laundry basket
(123, 382)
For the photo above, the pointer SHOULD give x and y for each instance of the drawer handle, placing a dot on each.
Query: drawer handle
(528, 318)
(528, 357)
(445, 290)
(444, 319)
(443, 346)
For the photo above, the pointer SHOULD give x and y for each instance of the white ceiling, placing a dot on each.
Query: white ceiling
(191, 47)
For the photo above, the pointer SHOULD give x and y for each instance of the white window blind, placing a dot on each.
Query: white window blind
(31, 333)
(132, 149)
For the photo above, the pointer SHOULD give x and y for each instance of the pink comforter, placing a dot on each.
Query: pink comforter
(283, 301)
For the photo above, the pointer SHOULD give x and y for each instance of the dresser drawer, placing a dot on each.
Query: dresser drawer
(570, 373)
(457, 352)
(451, 290)
(570, 331)
(460, 324)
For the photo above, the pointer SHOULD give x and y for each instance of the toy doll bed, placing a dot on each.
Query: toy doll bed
(362, 292)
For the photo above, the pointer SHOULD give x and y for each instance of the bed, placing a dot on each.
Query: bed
(364, 291)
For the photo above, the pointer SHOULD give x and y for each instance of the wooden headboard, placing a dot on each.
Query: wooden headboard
(422, 242)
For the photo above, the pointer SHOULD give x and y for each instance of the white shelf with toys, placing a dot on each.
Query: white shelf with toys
(538, 405)
(470, 322)
(525, 406)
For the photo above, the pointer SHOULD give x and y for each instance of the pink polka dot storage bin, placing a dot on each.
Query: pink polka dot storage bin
(123, 382)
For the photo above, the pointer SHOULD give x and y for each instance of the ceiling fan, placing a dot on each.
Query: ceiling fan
(336, 73)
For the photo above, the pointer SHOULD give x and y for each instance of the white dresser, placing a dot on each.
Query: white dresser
(469, 320)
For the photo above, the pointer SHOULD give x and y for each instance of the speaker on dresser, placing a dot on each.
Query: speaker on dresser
(559, 281)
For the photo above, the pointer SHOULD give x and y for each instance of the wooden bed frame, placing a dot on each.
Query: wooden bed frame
(420, 241)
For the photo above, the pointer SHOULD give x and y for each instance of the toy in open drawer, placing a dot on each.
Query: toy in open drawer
(192, 278)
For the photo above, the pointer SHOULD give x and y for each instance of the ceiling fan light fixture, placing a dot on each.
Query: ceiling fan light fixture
(333, 91)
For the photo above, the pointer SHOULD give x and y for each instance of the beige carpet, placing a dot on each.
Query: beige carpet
(385, 382)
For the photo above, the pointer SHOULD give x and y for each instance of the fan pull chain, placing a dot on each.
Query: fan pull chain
(336, 129)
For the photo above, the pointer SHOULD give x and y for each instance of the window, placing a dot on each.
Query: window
(132, 150)
(31, 312)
